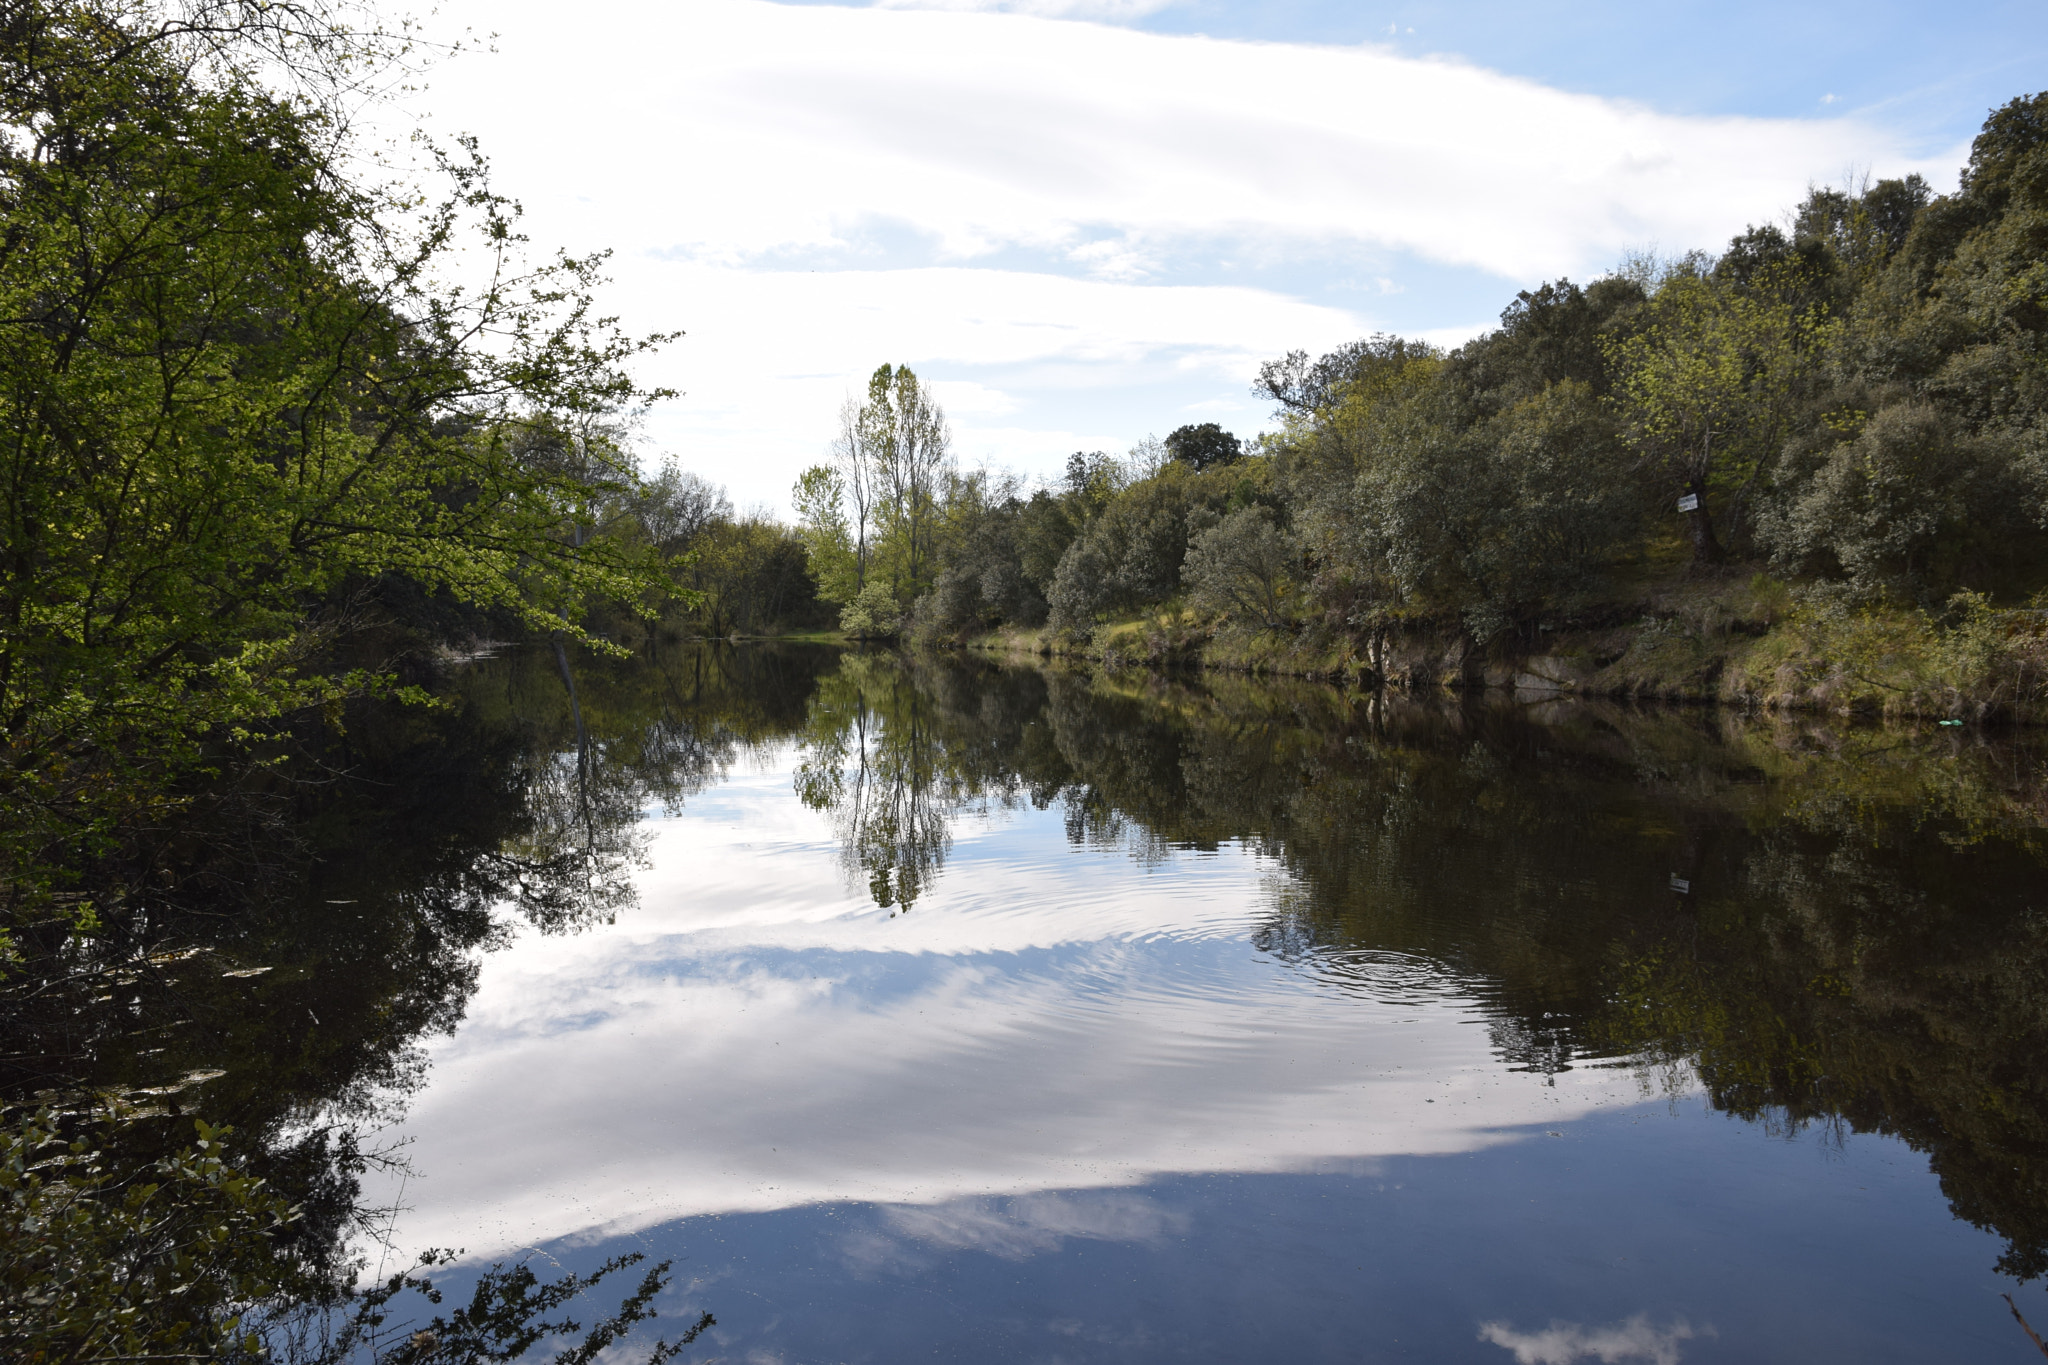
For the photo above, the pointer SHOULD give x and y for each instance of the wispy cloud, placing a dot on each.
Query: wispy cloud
(747, 128)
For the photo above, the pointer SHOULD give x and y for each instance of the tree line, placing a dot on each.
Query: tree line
(1852, 401)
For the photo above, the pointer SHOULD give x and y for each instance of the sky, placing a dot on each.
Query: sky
(1087, 221)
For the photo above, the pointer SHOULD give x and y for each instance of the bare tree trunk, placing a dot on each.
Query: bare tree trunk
(1706, 547)
(850, 449)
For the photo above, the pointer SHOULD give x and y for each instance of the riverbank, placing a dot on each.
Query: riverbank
(1736, 637)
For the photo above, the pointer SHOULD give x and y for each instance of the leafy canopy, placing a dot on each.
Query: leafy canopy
(235, 390)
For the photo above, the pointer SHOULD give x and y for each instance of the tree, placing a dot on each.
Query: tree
(920, 446)
(820, 501)
(751, 575)
(1708, 386)
(1204, 447)
(232, 392)
(676, 506)
(1417, 496)
(856, 459)
(1299, 386)
(1243, 567)
(1131, 552)
(1895, 508)
(892, 450)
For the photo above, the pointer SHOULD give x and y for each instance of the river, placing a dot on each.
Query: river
(937, 1008)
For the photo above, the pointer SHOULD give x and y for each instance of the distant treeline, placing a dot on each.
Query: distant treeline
(1852, 402)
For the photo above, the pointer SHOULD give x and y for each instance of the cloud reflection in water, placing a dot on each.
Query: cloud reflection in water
(1565, 1343)
(753, 1037)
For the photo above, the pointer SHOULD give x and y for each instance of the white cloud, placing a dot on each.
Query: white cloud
(1564, 1343)
(735, 128)
(741, 155)
(964, 397)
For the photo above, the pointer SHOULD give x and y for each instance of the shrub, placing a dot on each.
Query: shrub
(872, 614)
(1243, 567)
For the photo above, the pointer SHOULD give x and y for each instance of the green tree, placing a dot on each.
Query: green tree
(751, 576)
(914, 447)
(1709, 384)
(1204, 447)
(873, 614)
(1301, 387)
(820, 501)
(1243, 567)
(1130, 553)
(233, 389)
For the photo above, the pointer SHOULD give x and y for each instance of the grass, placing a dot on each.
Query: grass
(1664, 631)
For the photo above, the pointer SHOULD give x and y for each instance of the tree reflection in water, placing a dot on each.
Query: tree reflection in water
(871, 762)
(1860, 944)
(274, 961)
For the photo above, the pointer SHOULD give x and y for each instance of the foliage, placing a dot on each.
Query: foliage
(234, 393)
(872, 614)
(993, 546)
(1130, 553)
(1301, 387)
(108, 1263)
(1709, 382)
(893, 451)
(1905, 505)
(1243, 567)
(676, 506)
(185, 1259)
(1203, 447)
(751, 576)
(820, 501)
(1417, 502)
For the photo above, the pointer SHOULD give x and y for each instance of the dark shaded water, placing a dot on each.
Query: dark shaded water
(930, 1009)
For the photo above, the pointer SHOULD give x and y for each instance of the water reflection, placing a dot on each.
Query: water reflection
(280, 957)
(1859, 941)
(1164, 930)
(872, 762)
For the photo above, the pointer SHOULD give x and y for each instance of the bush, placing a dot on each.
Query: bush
(1131, 554)
(872, 614)
(1899, 510)
(1243, 567)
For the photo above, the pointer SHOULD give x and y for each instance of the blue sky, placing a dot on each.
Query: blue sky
(1088, 220)
(1935, 69)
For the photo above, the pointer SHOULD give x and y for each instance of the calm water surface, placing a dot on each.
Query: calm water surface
(948, 1011)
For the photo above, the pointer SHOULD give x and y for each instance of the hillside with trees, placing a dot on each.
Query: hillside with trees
(1810, 469)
